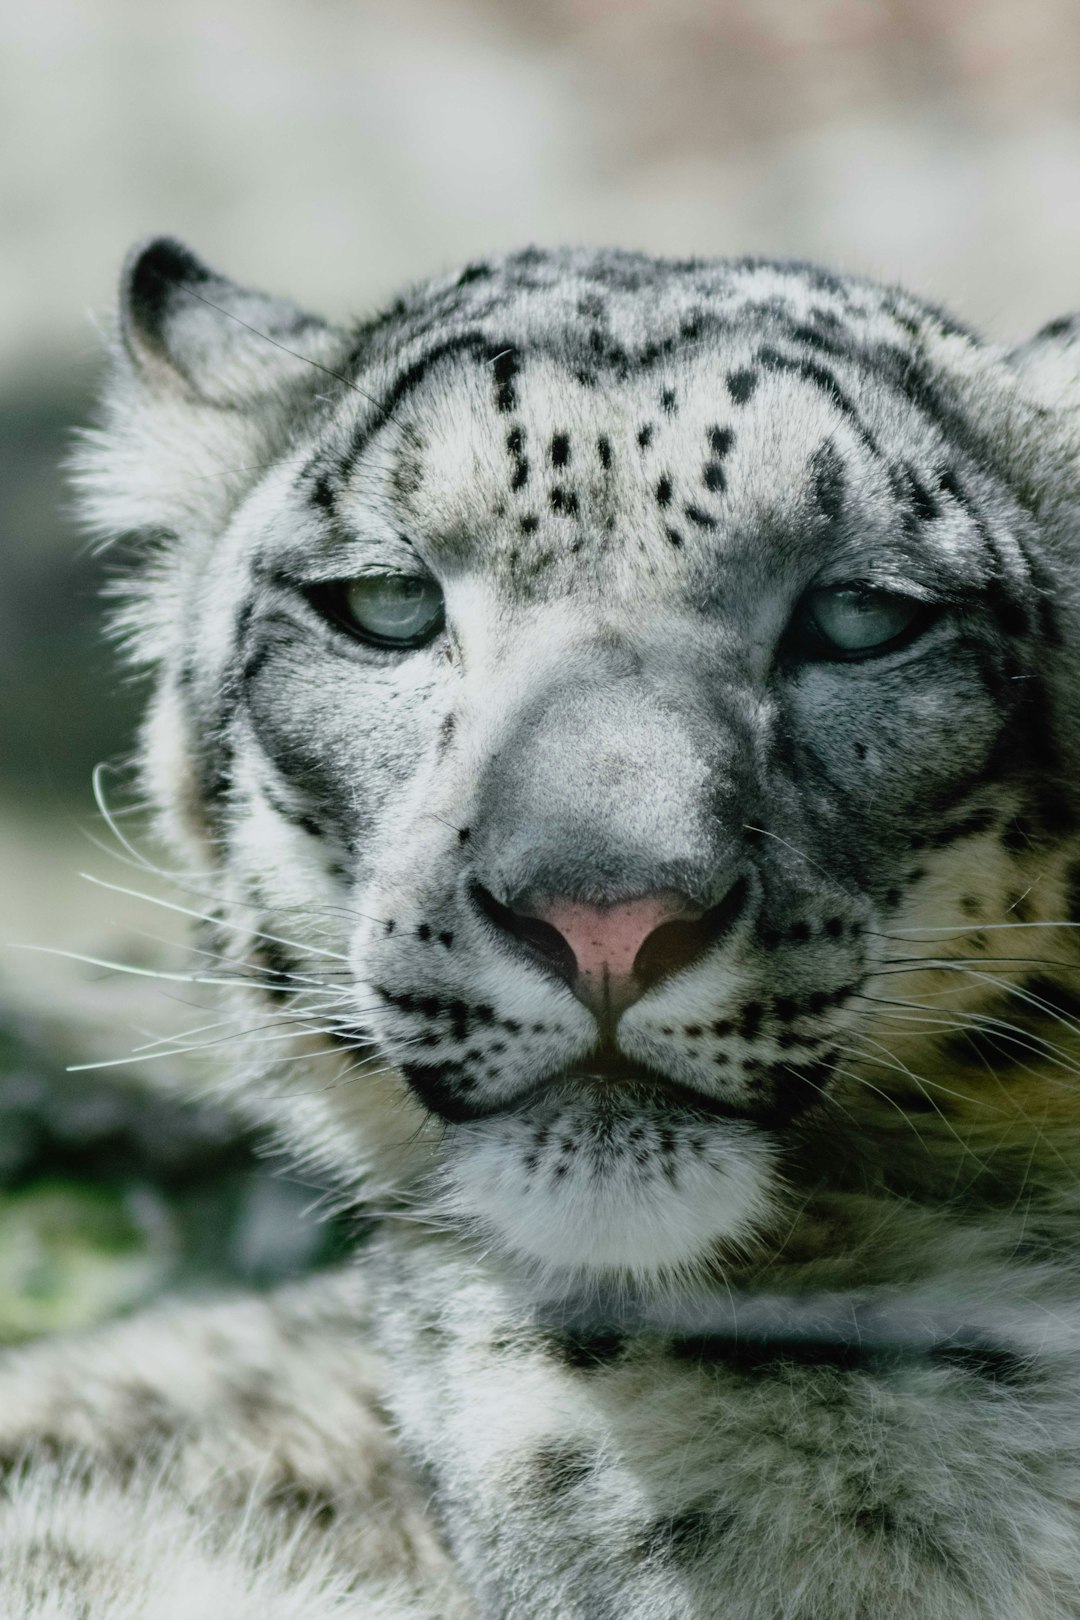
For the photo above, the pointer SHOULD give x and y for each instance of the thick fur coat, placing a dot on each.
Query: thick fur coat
(621, 720)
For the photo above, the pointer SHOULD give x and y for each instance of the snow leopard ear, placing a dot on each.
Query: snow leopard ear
(1049, 364)
(209, 383)
(1020, 411)
(187, 329)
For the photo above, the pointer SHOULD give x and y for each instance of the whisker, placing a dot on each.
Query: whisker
(892, 1061)
(803, 856)
(960, 929)
(218, 922)
(978, 1023)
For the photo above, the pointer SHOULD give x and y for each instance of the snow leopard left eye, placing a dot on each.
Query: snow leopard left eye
(387, 610)
(847, 622)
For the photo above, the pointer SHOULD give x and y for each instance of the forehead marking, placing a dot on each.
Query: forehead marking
(741, 385)
(820, 377)
(505, 368)
(701, 519)
(828, 480)
(519, 461)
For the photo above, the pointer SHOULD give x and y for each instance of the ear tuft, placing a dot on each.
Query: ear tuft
(194, 334)
(156, 273)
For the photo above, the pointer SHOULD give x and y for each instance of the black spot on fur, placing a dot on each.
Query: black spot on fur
(991, 1362)
(667, 402)
(474, 272)
(971, 826)
(754, 1355)
(586, 1352)
(645, 435)
(684, 1537)
(750, 1017)
(1053, 999)
(564, 500)
(875, 1520)
(663, 491)
(556, 1470)
(515, 444)
(701, 519)
(303, 1501)
(278, 971)
(674, 537)
(603, 450)
(1063, 326)
(323, 492)
(505, 368)
(741, 385)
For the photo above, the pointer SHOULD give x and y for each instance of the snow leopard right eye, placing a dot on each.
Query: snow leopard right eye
(387, 610)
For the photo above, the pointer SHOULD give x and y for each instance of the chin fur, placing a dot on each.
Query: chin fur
(584, 1189)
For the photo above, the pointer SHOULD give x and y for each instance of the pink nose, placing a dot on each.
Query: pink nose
(606, 941)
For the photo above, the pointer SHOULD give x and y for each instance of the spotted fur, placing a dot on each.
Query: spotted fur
(759, 1299)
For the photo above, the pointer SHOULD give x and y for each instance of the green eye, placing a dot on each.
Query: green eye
(854, 619)
(392, 610)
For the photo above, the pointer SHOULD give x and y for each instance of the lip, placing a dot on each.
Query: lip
(614, 1079)
(609, 1073)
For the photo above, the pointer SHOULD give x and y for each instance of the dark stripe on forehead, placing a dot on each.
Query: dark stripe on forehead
(923, 387)
(919, 503)
(505, 368)
(1010, 600)
(821, 378)
(715, 319)
(501, 353)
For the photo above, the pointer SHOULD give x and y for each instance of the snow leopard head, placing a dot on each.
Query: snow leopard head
(618, 704)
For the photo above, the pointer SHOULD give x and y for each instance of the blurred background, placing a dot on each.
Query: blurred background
(332, 150)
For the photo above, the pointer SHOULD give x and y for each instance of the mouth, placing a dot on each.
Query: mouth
(610, 1077)
(616, 1085)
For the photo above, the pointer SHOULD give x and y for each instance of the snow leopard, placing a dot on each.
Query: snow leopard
(619, 720)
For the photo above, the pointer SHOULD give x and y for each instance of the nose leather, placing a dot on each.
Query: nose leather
(606, 941)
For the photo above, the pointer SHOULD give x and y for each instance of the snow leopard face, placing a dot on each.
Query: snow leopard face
(609, 692)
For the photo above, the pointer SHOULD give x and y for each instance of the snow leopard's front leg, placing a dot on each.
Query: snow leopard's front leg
(227, 1461)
